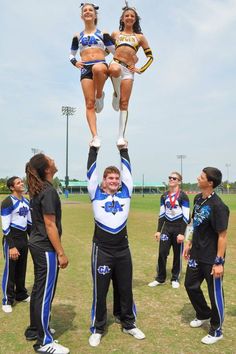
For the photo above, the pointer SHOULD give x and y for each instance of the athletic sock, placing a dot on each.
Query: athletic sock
(122, 123)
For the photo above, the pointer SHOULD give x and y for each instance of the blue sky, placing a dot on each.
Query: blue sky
(183, 104)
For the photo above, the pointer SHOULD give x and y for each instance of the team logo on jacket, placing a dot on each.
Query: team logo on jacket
(23, 211)
(171, 207)
(104, 270)
(113, 207)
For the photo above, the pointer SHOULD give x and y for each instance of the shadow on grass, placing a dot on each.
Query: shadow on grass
(139, 282)
(187, 313)
(62, 318)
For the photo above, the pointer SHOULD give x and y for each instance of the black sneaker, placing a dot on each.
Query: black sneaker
(31, 333)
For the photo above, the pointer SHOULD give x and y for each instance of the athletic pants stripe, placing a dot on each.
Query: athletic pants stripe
(105, 265)
(193, 280)
(170, 240)
(45, 280)
(13, 280)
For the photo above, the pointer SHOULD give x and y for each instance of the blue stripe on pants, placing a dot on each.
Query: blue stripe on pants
(219, 300)
(5, 273)
(51, 259)
(94, 274)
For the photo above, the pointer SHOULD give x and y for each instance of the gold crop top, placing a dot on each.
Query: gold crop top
(129, 40)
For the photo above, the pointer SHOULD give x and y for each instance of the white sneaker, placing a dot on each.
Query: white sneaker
(116, 102)
(175, 284)
(99, 103)
(27, 299)
(54, 348)
(121, 142)
(210, 339)
(7, 308)
(95, 339)
(96, 142)
(198, 323)
(135, 332)
(155, 283)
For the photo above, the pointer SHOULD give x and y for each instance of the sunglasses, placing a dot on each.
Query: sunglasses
(173, 178)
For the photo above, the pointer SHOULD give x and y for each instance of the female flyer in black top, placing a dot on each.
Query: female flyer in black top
(46, 250)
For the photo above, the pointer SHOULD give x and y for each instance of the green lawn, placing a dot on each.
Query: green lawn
(163, 313)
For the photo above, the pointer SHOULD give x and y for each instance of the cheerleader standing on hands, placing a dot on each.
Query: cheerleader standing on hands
(128, 40)
(91, 43)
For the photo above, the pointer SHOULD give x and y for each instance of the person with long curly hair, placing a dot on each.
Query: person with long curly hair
(46, 250)
(128, 40)
(92, 45)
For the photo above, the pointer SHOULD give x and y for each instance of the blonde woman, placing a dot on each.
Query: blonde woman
(91, 44)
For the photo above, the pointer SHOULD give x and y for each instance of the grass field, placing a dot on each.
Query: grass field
(163, 313)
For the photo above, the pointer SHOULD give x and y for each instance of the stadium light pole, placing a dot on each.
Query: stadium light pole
(181, 157)
(67, 111)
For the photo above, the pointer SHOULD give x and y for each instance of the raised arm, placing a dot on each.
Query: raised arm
(92, 172)
(126, 176)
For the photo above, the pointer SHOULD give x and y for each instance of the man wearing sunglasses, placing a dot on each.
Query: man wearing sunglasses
(172, 223)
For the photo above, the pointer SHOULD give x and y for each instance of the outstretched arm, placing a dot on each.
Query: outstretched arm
(92, 171)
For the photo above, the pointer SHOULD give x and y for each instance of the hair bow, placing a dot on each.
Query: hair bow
(96, 7)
